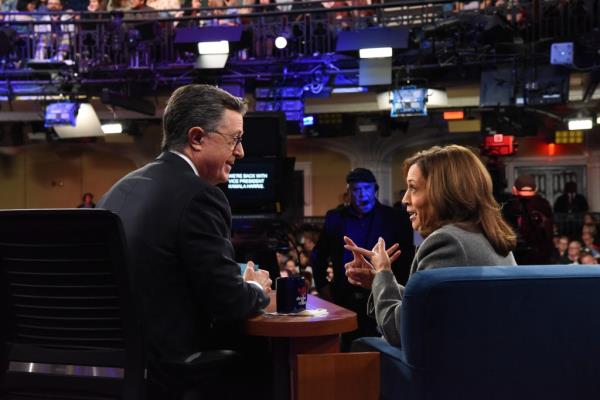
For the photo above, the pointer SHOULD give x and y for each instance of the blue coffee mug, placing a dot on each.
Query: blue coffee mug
(291, 294)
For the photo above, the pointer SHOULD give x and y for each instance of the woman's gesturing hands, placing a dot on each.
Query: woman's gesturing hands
(366, 263)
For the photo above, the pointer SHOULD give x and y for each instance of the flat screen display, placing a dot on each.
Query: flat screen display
(258, 185)
(408, 100)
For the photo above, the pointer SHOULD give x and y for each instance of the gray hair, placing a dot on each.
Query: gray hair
(195, 105)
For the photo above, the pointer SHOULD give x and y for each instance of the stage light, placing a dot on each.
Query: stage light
(568, 137)
(86, 124)
(580, 124)
(598, 120)
(308, 120)
(561, 53)
(357, 89)
(281, 42)
(112, 128)
(375, 52)
(208, 48)
(453, 115)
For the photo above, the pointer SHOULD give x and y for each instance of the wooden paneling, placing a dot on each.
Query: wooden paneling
(329, 171)
(56, 175)
(101, 170)
(12, 181)
(338, 376)
(53, 177)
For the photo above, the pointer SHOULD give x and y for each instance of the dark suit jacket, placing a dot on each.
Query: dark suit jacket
(388, 222)
(178, 231)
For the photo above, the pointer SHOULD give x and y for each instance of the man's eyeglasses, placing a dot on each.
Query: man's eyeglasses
(237, 140)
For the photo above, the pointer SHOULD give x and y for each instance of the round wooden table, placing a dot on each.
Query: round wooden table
(293, 335)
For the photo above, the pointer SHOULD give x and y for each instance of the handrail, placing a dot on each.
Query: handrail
(106, 42)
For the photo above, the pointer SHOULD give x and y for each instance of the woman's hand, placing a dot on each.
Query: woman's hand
(360, 271)
(380, 258)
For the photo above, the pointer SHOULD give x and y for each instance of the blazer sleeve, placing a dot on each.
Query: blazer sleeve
(387, 299)
(438, 250)
(208, 257)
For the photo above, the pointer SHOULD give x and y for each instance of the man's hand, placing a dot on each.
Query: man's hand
(260, 276)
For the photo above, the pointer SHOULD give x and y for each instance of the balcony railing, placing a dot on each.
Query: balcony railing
(104, 46)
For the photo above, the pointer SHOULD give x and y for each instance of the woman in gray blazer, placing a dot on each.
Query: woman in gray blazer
(449, 200)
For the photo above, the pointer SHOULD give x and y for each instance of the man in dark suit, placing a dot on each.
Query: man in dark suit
(364, 220)
(177, 225)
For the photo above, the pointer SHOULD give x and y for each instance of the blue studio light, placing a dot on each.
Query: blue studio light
(308, 120)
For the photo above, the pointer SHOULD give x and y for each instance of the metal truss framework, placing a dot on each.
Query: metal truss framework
(140, 56)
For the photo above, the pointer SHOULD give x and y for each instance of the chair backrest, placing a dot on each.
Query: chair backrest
(70, 323)
(529, 330)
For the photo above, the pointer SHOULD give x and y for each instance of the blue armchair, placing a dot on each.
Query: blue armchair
(527, 332)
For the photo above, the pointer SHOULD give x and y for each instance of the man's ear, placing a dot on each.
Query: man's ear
(196, 138)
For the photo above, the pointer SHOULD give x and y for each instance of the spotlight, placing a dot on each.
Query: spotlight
(220, 47)
(376, 52)
(580, 124)
(281, 42)
(112, 128)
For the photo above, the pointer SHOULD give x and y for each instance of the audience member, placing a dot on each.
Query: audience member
(309, 239)
(570, 201)
(25, 8)
(192, 9)
(140, 7)
(560, 251)
(177, 226)
(87, 201)
(9, 5)
(590, 224)
(587, 259)
(171, 5)
(531, 217)
(588, 241)
(118, 5)
(365, 220)
(450, 203)
(96, 6)
(54, 38)
(42, 6)
(573, 253)
(221, 10)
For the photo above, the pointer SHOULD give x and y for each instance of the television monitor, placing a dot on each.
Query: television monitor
(259, 185)
(408, 100)
(61, 113)
(498, 88)
(264, 134)
(546, 84)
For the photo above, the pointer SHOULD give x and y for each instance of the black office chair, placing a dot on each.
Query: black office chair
(70, 326)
